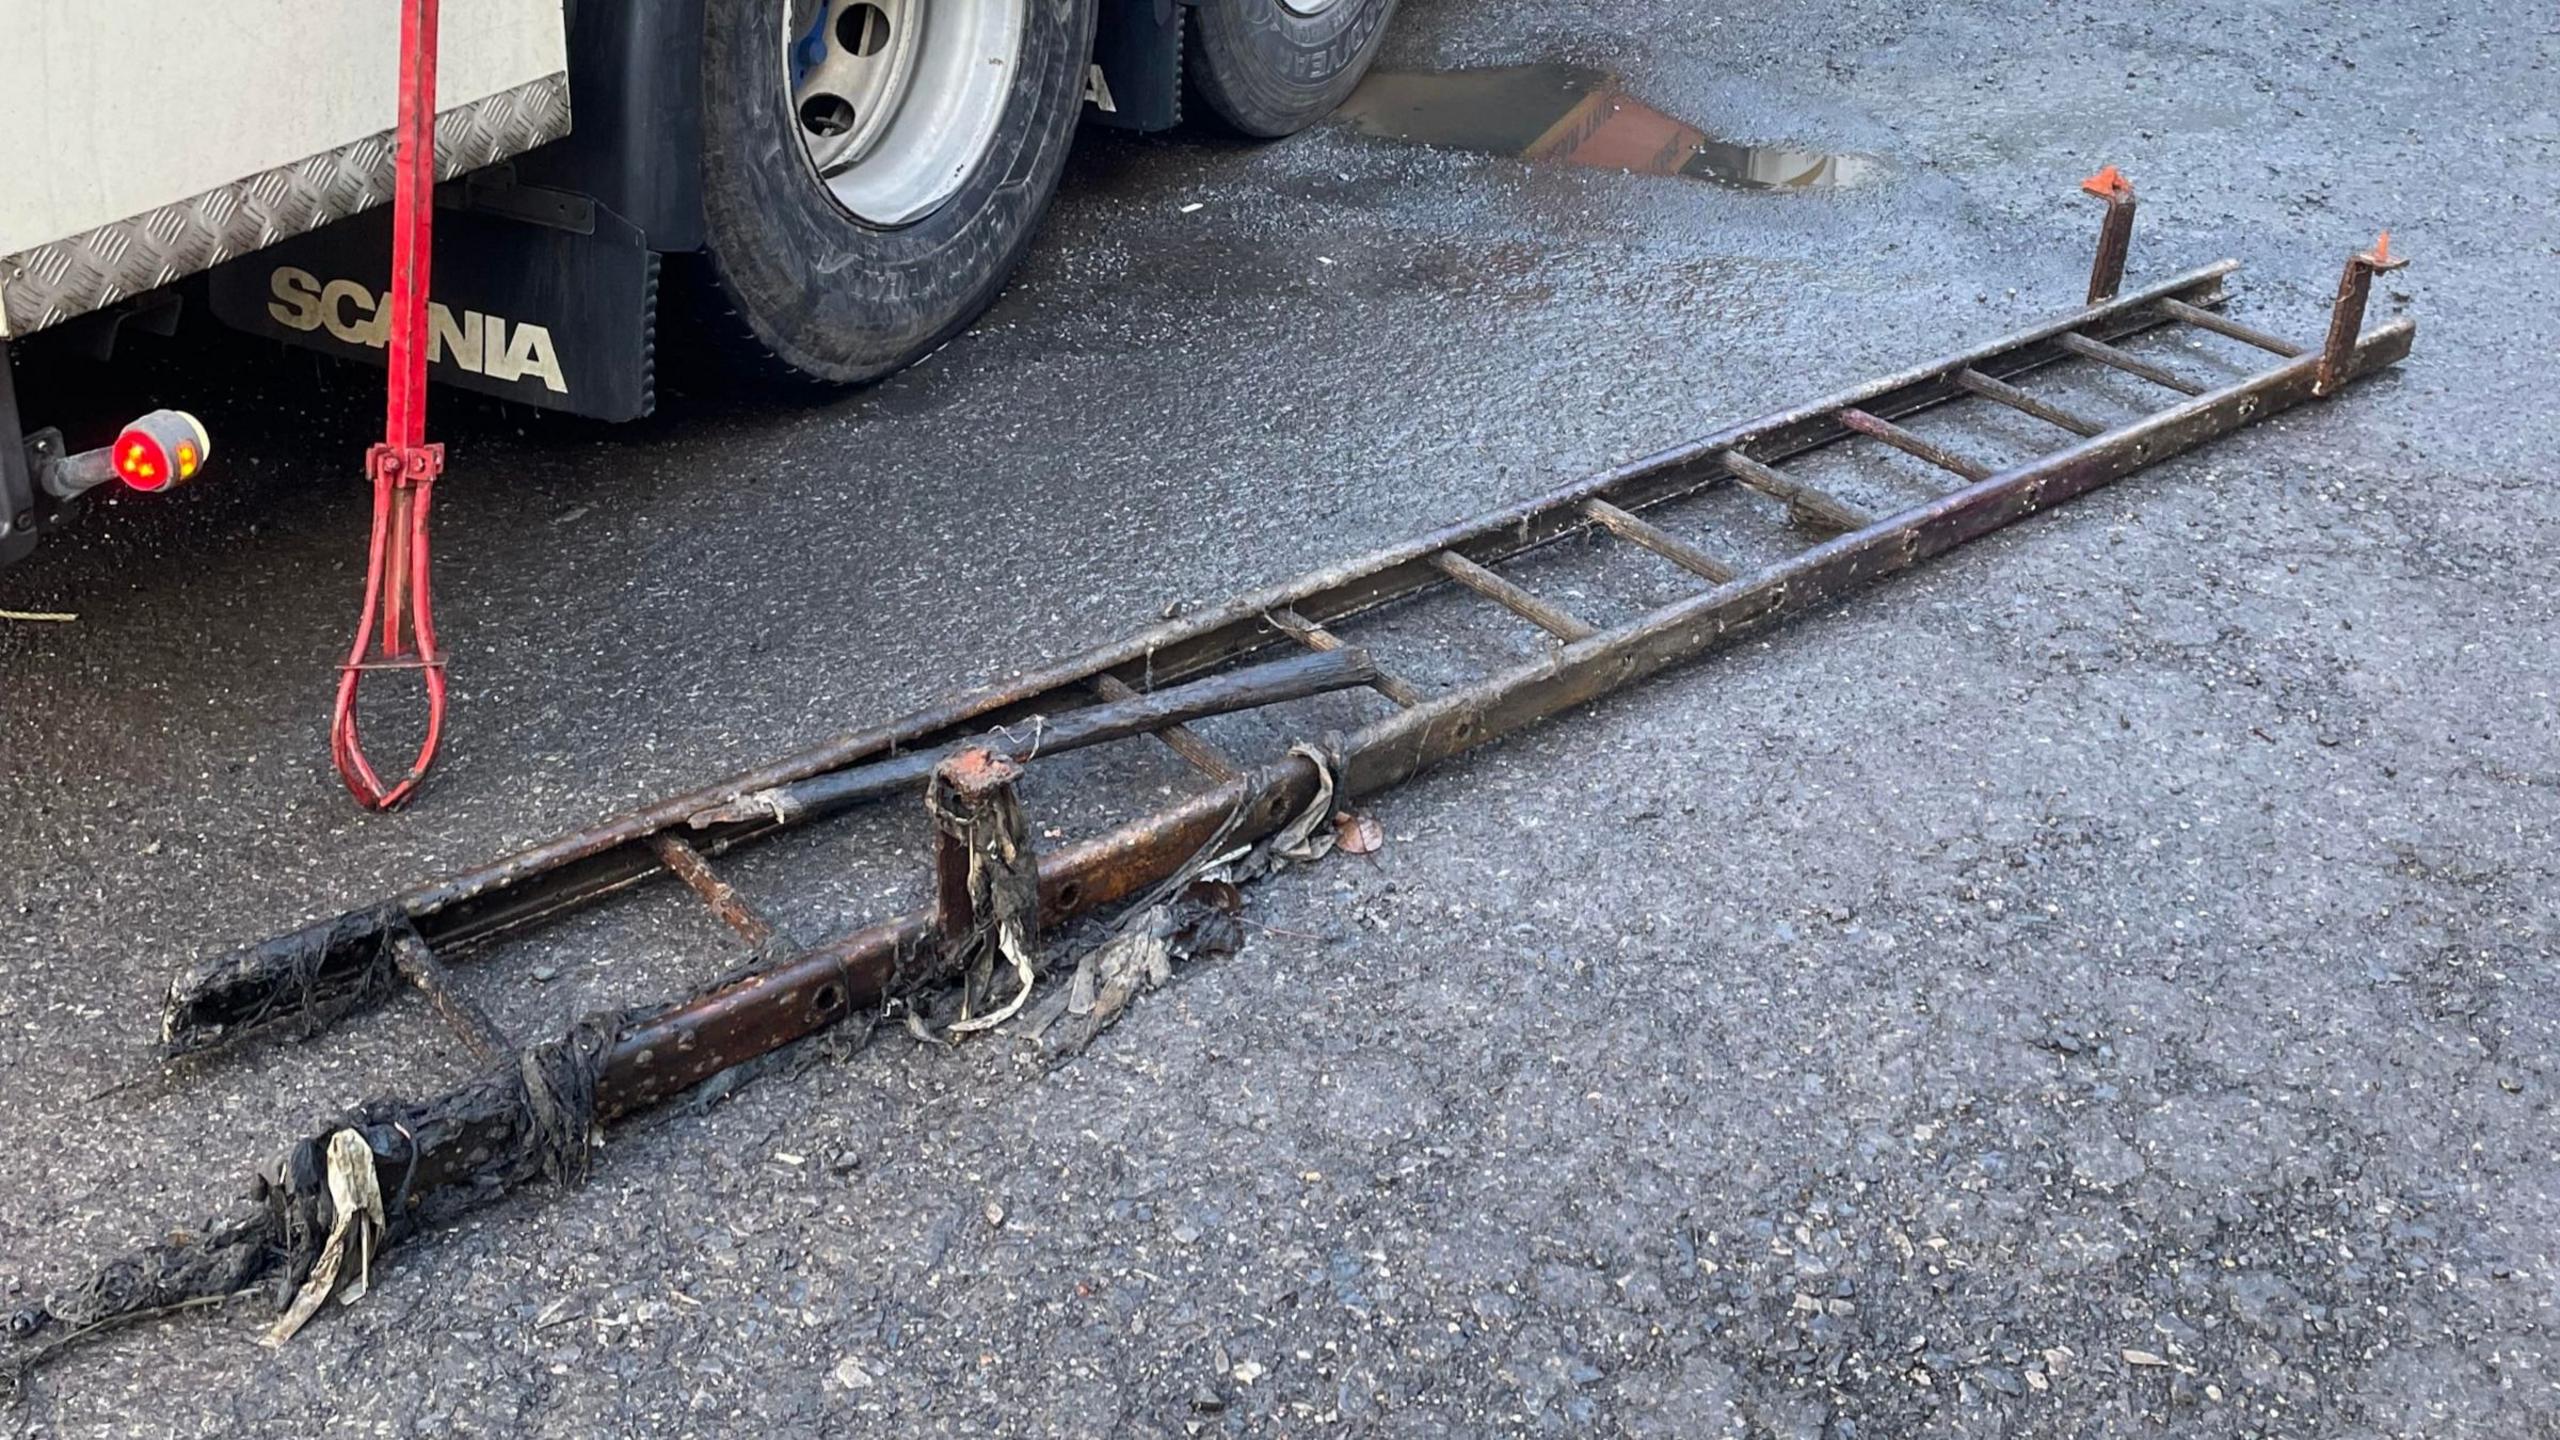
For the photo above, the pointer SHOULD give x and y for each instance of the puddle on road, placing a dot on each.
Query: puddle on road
(1578, 116)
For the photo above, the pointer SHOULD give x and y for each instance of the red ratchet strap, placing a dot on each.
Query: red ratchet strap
(399, 617)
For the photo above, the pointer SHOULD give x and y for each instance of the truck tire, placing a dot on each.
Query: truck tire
(1274, 67)
(869, 181)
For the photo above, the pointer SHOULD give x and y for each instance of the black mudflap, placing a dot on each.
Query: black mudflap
(558, 311)
(1136, 79)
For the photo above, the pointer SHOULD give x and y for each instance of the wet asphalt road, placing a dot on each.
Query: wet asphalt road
(2099, 985)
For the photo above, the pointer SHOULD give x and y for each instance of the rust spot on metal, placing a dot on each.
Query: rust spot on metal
(686, 864)
(978, 772)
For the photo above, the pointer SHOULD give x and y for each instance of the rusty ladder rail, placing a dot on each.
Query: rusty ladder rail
(310, 977)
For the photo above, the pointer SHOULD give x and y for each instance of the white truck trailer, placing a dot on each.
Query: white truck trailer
(843, 184)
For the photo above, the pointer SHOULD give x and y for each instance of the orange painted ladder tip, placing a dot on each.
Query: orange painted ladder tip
(2108, 184)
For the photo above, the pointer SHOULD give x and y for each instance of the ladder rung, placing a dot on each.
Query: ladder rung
(1511, 597)
(1809, 503)
(2108, 355)
(1660, 541)
(2221, 324)
(2017, 399)
(1183, 740)
(419, 966)
(1315, 637)
(686, 864)
(1910, 444)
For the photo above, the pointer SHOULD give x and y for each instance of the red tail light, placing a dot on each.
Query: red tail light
(161, 451)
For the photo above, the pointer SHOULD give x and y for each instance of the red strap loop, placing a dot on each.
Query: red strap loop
(399, 614)
(399, 607)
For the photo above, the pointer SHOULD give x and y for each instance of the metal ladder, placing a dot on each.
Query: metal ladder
(306, 979)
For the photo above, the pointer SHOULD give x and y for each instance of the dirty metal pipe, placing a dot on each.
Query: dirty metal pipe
(1544, 614)
(2026, 404)
(2134, 365)
(1805, 502)
(1914, 445)
(1315, 637)
(1638, 531)
(1181, 739)
(2224, 325)
(418, 965)
(1294, 678)
(686, 864)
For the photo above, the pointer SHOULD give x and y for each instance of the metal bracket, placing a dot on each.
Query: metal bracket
(404, 464)
(2115, 237)
(2346, 315)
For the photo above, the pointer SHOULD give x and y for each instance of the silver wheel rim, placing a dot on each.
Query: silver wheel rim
(897, 101)
(1308, 7)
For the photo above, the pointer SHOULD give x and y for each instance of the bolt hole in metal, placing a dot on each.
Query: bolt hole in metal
(826, 115)
(829, 999)
(898, 101)
(862, 30)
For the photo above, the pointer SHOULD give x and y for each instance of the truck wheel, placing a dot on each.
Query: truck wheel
(1274, 67)
(873, 170)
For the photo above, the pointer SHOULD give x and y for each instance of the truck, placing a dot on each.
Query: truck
(826, 190)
